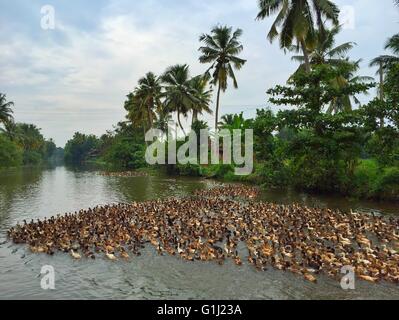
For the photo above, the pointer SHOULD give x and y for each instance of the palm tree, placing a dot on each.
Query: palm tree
(384, 62)
(324, 51)
(200, 85)
(344, 103)
(179, 94)
(235, 122)
(227, 120)
(149, 93)
(393, 45)
(221, 49)
(137, 112)
(5, 109)
(298, 20)
(10, 130)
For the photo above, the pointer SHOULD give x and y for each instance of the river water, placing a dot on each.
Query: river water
(36, 193)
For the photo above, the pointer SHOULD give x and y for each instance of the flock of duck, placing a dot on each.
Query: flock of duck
(127, 174)
(211, 225)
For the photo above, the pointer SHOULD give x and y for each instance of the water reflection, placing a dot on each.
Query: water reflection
(17, 186)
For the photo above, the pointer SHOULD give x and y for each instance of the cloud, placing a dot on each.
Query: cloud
(75, 78)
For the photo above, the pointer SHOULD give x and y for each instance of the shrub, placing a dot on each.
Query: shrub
(387, 184)
(10, 153)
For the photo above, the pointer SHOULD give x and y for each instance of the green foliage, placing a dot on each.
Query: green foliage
(79, 148)
(387, 184)
(5, 109)
(27, 138)
(191, 170)
(126, 155)
(218, 170)
(366, 173)
(10, 153)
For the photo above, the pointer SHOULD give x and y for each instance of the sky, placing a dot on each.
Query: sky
(76, 76)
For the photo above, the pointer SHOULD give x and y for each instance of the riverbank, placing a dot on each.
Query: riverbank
(370, 182)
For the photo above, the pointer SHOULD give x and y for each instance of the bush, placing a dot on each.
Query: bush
(387, 184)
(32, 158)
(218, 170)
(10, 153)
(192, 170)
(126, 155)
(273, 173)
(366, 174)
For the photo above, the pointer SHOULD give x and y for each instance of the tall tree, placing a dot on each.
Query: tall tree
(348, 78)
(298, 20)
(221, 48)
(5, 109)
(179, 94)
(149, 93)
(203, 96)
(137, 112)
(384, 63)
(325, 51)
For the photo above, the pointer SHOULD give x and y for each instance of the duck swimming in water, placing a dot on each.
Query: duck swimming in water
(75, 255)
(211, 225)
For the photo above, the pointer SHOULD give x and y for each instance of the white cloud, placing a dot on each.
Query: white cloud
(80, 83)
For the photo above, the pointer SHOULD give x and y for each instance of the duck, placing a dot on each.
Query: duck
(110, 256)
(210, 224)
(124, 255)
(368, 278)
(75, 255)
(310, 277)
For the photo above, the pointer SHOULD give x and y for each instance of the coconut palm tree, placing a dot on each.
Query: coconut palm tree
(149, 94)
(393, 45)
(226, 120)
(138, 112)
(204, 96)
(221, 49)
(11, 130)
(179, 94)
(324, 51)
(235, 122)
(344, 103)
(298, 20)
(384, 62)
(5, 109)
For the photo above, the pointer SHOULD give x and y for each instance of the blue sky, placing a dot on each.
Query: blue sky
(76, 77)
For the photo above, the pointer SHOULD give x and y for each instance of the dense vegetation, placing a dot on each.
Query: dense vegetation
(21, 143)
(327, 140)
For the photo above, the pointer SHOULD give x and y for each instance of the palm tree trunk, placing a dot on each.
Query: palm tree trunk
(150, 119)
(146, 142)
(306, 56)
(382, 90)
(195, 117)
(178, 120)
(217, 109)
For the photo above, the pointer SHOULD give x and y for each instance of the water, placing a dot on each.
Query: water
(35, 193)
